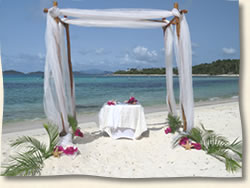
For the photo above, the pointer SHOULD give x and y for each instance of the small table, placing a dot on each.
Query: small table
(122, 120)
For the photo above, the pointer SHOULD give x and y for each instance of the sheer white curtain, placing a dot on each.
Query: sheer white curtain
(58, 103)
(122, 18)
(118, 14)
(183, 51)
(168, 42)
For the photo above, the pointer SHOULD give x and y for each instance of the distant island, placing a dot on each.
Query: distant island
(219, 67)
(12, 72)
(40, 73)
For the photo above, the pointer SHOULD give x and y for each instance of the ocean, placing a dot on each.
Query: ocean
(23, 94)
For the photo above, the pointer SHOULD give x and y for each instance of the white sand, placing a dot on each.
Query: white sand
(151, 156)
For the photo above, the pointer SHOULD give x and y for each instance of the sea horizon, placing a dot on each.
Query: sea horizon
(23, 94)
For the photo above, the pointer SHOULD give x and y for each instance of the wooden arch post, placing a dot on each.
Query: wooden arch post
(57, 19)
(176, 21)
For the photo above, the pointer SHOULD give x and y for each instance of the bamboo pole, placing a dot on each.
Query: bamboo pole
(70, 66)
(177, 20)
(57, 19)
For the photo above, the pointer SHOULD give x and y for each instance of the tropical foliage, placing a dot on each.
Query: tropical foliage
(225, 66)
(174, 123)
(30, 162)
(216, 146)
(73, 123)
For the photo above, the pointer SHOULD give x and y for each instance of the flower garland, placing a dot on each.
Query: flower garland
(208, 141)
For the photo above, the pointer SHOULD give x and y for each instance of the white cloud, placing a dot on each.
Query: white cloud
(141, 56)
(229, 51)
(144, 54)
(98, 51)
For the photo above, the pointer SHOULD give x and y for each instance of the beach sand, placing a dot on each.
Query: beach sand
(151, 156)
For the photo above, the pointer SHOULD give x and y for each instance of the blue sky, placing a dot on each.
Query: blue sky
(213, 24)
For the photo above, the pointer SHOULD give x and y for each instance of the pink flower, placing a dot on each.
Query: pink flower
(183, 141)
(70, 150)
(110, 103)
(168, 130)
(78, 133)
(196, 146)
(60, 148)
(132, 100)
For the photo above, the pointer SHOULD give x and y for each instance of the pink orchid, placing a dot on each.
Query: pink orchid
(110, 103)
(132, 100)
(183, 141)
(70, 150)
(59, 148)
(168, 130)
(196, 146)
(78, 133)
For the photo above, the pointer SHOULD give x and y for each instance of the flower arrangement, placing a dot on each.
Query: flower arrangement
(185, 142)
(208, 141)
(58, 150)
(132, 100)
(31, 161)
(74, 125)
(78, 133)
(112, 102)
(174, 124)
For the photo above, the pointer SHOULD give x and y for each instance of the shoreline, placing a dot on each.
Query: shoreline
(151, 156)
(87, 118)
(194, 75)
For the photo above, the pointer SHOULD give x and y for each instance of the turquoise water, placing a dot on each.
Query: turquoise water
(23, 95)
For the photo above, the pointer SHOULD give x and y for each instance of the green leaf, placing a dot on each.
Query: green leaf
(53, 134)
(73, 123)
(31, 161)
(24, 164)
(35, 144)
(174, 122)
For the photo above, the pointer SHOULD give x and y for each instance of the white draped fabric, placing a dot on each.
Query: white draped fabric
(122, 120)
(58, 99)
(168, 42)
(183, 56)
(118, 14)
(59, 102)
(115, 23)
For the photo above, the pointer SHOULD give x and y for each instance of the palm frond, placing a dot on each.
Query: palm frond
(236, 147)
(195, 134)
(33, 144)
(24, 164)
(232, 165)
(30, 162)
(174, 122)
(216, 145)
(53, 134)
(73, 123)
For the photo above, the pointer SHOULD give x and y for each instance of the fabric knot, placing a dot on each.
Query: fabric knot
(66, 140)
(176, 12)
(54, 12)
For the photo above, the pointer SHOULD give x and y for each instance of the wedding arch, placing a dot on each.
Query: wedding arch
(59, 91)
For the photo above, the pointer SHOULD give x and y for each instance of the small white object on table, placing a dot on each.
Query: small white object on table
(122, 120)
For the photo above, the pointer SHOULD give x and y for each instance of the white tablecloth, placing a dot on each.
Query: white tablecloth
(122, 120)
